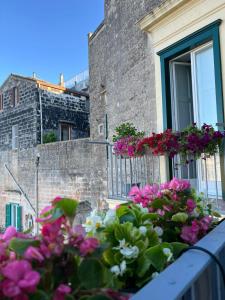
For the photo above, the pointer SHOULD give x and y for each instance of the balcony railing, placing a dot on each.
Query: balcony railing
(194, 276)
(124, 172)
(204, 174)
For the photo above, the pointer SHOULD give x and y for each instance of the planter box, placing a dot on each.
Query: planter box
(194, 276)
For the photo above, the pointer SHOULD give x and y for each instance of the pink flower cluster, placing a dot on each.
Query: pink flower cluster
(191, 234)
(169, 199)
(147, 194)
(126, 146)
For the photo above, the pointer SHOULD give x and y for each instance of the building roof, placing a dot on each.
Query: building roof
(42, 84)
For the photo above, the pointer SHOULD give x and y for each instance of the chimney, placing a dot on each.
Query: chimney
(61, 79)
(34, 75)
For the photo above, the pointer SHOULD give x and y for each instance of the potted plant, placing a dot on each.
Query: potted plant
(126, 139)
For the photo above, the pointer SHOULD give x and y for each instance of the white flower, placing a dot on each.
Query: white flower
(93, 222)
(168, 253)
(143, 230)
(127, 250)
(154, 275)
(130, 252)
(109, 217)
(119, 270)
(195, 213)
(143, 209)
(158, 230)
(115, 270)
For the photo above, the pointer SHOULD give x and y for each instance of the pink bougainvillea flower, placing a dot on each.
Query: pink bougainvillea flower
(179, 184)
(61, 292)
(189, 235)
(19, 279)
(45, 214)
(160, 212)
(9, 233)
(191, 205)
(57, 199)
(88, 246)
(33, 253)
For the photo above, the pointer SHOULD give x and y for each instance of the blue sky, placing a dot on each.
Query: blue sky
(46, 36)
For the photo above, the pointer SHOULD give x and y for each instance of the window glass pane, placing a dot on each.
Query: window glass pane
(206, 89)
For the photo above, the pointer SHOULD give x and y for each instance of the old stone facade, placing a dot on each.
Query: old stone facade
(122, 84)
(31, 108)
(69, 169)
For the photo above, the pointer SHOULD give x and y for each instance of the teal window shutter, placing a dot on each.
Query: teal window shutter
(19, 218)
(8, 215)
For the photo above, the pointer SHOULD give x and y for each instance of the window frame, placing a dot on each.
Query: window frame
(1, 102)
(206, 34)
(15, 145)
(70, 125)
(196, 39)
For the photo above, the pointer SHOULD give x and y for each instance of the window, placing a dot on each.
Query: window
(191, 84)
(13, 215)
(101, 129)
(1, 102)
(65, 131)
(14, 96)
(15, 137)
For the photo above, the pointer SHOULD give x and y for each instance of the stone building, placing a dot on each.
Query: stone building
(160, 64)
(31, 108)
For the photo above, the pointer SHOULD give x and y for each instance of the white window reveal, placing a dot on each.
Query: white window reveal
(15, 137)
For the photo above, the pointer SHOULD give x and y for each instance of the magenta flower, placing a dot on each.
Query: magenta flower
(189, 235)
(179, 184)
(88, 246)
(33, 253)
(57, 199)
(19, 279)
(191, 205)
(61, 292)
(45, 214)
(9, 234)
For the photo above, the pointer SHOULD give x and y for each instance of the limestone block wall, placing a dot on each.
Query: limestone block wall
(69, 169)
(122, 63)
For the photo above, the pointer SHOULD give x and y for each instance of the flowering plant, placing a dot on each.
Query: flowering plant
(190, 143)
(148, 233)
(60, 263)
(126, 139)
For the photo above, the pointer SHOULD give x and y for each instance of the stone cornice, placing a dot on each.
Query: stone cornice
(156, 15)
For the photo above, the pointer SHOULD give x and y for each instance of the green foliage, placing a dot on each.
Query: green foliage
(180, 217)
(49, 137)
(125, 130)
(68, 206)
(19, 246)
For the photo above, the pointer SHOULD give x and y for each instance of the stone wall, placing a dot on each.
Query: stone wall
(69, 169)
(23, 114)
(121, 63)
(58, 108)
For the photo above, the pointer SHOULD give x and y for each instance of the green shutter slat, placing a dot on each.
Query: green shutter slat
(19, 218)
(7, 215)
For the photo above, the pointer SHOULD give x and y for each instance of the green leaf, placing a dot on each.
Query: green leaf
(91, 273)
(20, 245)
(39, 295)
(150, 217)
(153, 238)
(180, 217)
(157, 257)
(56, 214)
(123, 231)
(144, 263)
(99, 297)
(178, 247)
(108, 257)
(158, 203)
(68, 206)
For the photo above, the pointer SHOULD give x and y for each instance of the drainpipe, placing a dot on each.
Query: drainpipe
(37, 162)
(41, 115)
